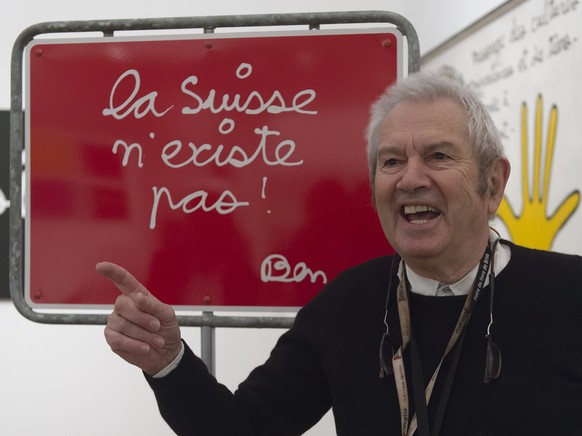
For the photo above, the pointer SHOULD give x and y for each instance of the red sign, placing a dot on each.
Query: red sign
(221, 170)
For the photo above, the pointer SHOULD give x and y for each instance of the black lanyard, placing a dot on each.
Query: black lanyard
(421, 394)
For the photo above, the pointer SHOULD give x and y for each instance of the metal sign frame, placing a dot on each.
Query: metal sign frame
(208, 24)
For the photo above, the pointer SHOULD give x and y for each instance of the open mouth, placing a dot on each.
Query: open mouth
(420, 214)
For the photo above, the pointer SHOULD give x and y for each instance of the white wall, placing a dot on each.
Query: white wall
(63, 380)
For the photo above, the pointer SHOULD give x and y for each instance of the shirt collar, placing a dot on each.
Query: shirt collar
(425, 286)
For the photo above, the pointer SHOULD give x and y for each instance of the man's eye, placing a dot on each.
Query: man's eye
(440, 156)
(390, 162)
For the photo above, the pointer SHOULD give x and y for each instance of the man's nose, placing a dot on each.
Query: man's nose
(413, 177)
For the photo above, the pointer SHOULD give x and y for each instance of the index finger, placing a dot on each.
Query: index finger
(121, 278)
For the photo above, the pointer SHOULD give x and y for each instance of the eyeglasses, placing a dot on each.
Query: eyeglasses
(386, 350)
(386, 355)
(492, 354)
(492, 357)
(492, 361)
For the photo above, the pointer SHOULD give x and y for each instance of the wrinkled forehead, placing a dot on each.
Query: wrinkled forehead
(424, 124)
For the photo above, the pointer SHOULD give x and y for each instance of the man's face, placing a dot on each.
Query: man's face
(426, 188)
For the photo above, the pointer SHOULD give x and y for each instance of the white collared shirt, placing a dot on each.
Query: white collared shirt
(429, 287)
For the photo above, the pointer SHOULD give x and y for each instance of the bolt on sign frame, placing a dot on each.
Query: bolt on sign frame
(59, 210)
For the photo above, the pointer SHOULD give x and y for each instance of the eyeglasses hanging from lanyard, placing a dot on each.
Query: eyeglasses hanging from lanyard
(391, 360)
(492, 354)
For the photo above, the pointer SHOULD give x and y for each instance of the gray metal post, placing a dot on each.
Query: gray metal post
(208, 346)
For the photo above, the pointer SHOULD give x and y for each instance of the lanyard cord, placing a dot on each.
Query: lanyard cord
(418, 392)
(440, 414)
(422, 396)
(420, 401)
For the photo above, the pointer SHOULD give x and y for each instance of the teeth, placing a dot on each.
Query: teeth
(418, 221)
(418, 208)
(410, 210)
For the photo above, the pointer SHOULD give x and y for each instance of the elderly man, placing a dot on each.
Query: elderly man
(458, 334)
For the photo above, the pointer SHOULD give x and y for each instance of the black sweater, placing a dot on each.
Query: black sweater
(329, 358)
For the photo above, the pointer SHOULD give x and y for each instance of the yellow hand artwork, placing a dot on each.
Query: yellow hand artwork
(534, 228)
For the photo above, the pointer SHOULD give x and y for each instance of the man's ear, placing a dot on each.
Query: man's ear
(496, 182)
